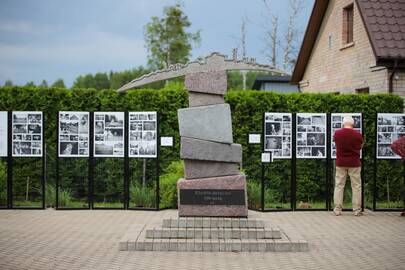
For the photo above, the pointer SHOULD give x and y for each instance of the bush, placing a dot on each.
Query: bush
(65, 197)
(142, 196)
(254, 194)
(168, 184)
(247, 111)
(3, 184)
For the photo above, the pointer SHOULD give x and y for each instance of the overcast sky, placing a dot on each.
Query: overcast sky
(51, 39)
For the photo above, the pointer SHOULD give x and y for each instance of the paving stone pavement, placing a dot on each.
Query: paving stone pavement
(49, 239)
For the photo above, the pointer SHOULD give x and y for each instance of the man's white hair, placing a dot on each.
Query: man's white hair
(348, 121)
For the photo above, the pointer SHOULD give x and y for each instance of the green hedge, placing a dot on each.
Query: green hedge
(247, 109)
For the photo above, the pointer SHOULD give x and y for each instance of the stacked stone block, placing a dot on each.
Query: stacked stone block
(211, 159)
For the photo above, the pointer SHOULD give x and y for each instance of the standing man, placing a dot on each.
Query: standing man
(348, 145)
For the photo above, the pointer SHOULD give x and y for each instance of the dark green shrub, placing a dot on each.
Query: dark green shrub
(247, 110)
(168, 184)
(141, 196)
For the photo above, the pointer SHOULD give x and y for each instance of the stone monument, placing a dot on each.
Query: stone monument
(213, 185)
(212, 197)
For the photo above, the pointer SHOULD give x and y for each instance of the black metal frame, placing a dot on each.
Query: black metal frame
(10, 166)
(157, 164)
(361, 175)
(57, 207)
(327, 169)
(126, 180)
(293, 170)
(375, 189)
(94, 160)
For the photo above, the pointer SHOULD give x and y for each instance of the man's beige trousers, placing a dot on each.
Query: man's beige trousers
(340, 181)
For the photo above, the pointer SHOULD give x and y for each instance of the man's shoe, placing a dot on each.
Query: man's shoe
(358, 214)
(403, 214)
(337, 212)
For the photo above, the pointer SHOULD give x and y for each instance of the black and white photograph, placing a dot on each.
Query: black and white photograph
(27, 134)
(311, 135)
(109, 134)
(142, 135)
(69, 148)
(277, 131)
(3, 134)
(337, 123)
(390, 127)
(71, 124)
(273, 128)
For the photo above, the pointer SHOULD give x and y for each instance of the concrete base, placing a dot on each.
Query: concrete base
(231, 182)
(213, 235)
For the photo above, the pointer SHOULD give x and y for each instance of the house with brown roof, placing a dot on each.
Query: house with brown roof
(353, 46)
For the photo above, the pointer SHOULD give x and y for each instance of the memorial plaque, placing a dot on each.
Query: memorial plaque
(109, 134)
(3, 134)
(74, 134)
(390, 127)
(311, 135)
(212, 196)
(27, 134)
(142, 132)
(277, 134)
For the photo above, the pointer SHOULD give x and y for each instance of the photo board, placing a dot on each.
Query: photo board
(390, 127)
(74, 134)
(142, 134)
(3, 134)
(311, 135)
(277, 134)
(109, 134)
(27, 135)
(337, 123)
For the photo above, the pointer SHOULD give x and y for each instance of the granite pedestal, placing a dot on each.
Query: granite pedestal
(223, 196)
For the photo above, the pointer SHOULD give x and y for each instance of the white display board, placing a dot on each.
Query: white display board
(109, 134)
(27, 134)
(277, 134)
(166, 141)
(142, 134)
(267, 157)
(254, 138)
(311, 135)
(337, 123)
(74, 134)
(3, 134)
(390, 127)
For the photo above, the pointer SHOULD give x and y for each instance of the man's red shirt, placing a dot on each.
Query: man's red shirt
(348, 145)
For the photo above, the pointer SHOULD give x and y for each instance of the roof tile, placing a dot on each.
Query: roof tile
(385, 21)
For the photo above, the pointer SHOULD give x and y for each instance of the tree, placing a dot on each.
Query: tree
(59, 84)
(30, 83)
(291, 36)
(243, 33)
(166, 38)
(101, 81)
(271, 38)
(44, 84)
(86, 81)
(8, 83)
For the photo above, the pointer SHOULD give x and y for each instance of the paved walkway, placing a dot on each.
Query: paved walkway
(50, 239)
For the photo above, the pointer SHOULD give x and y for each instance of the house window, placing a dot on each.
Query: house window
(348, 24)
(365, 90)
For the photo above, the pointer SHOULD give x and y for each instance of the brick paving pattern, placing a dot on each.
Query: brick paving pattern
(51, 239)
